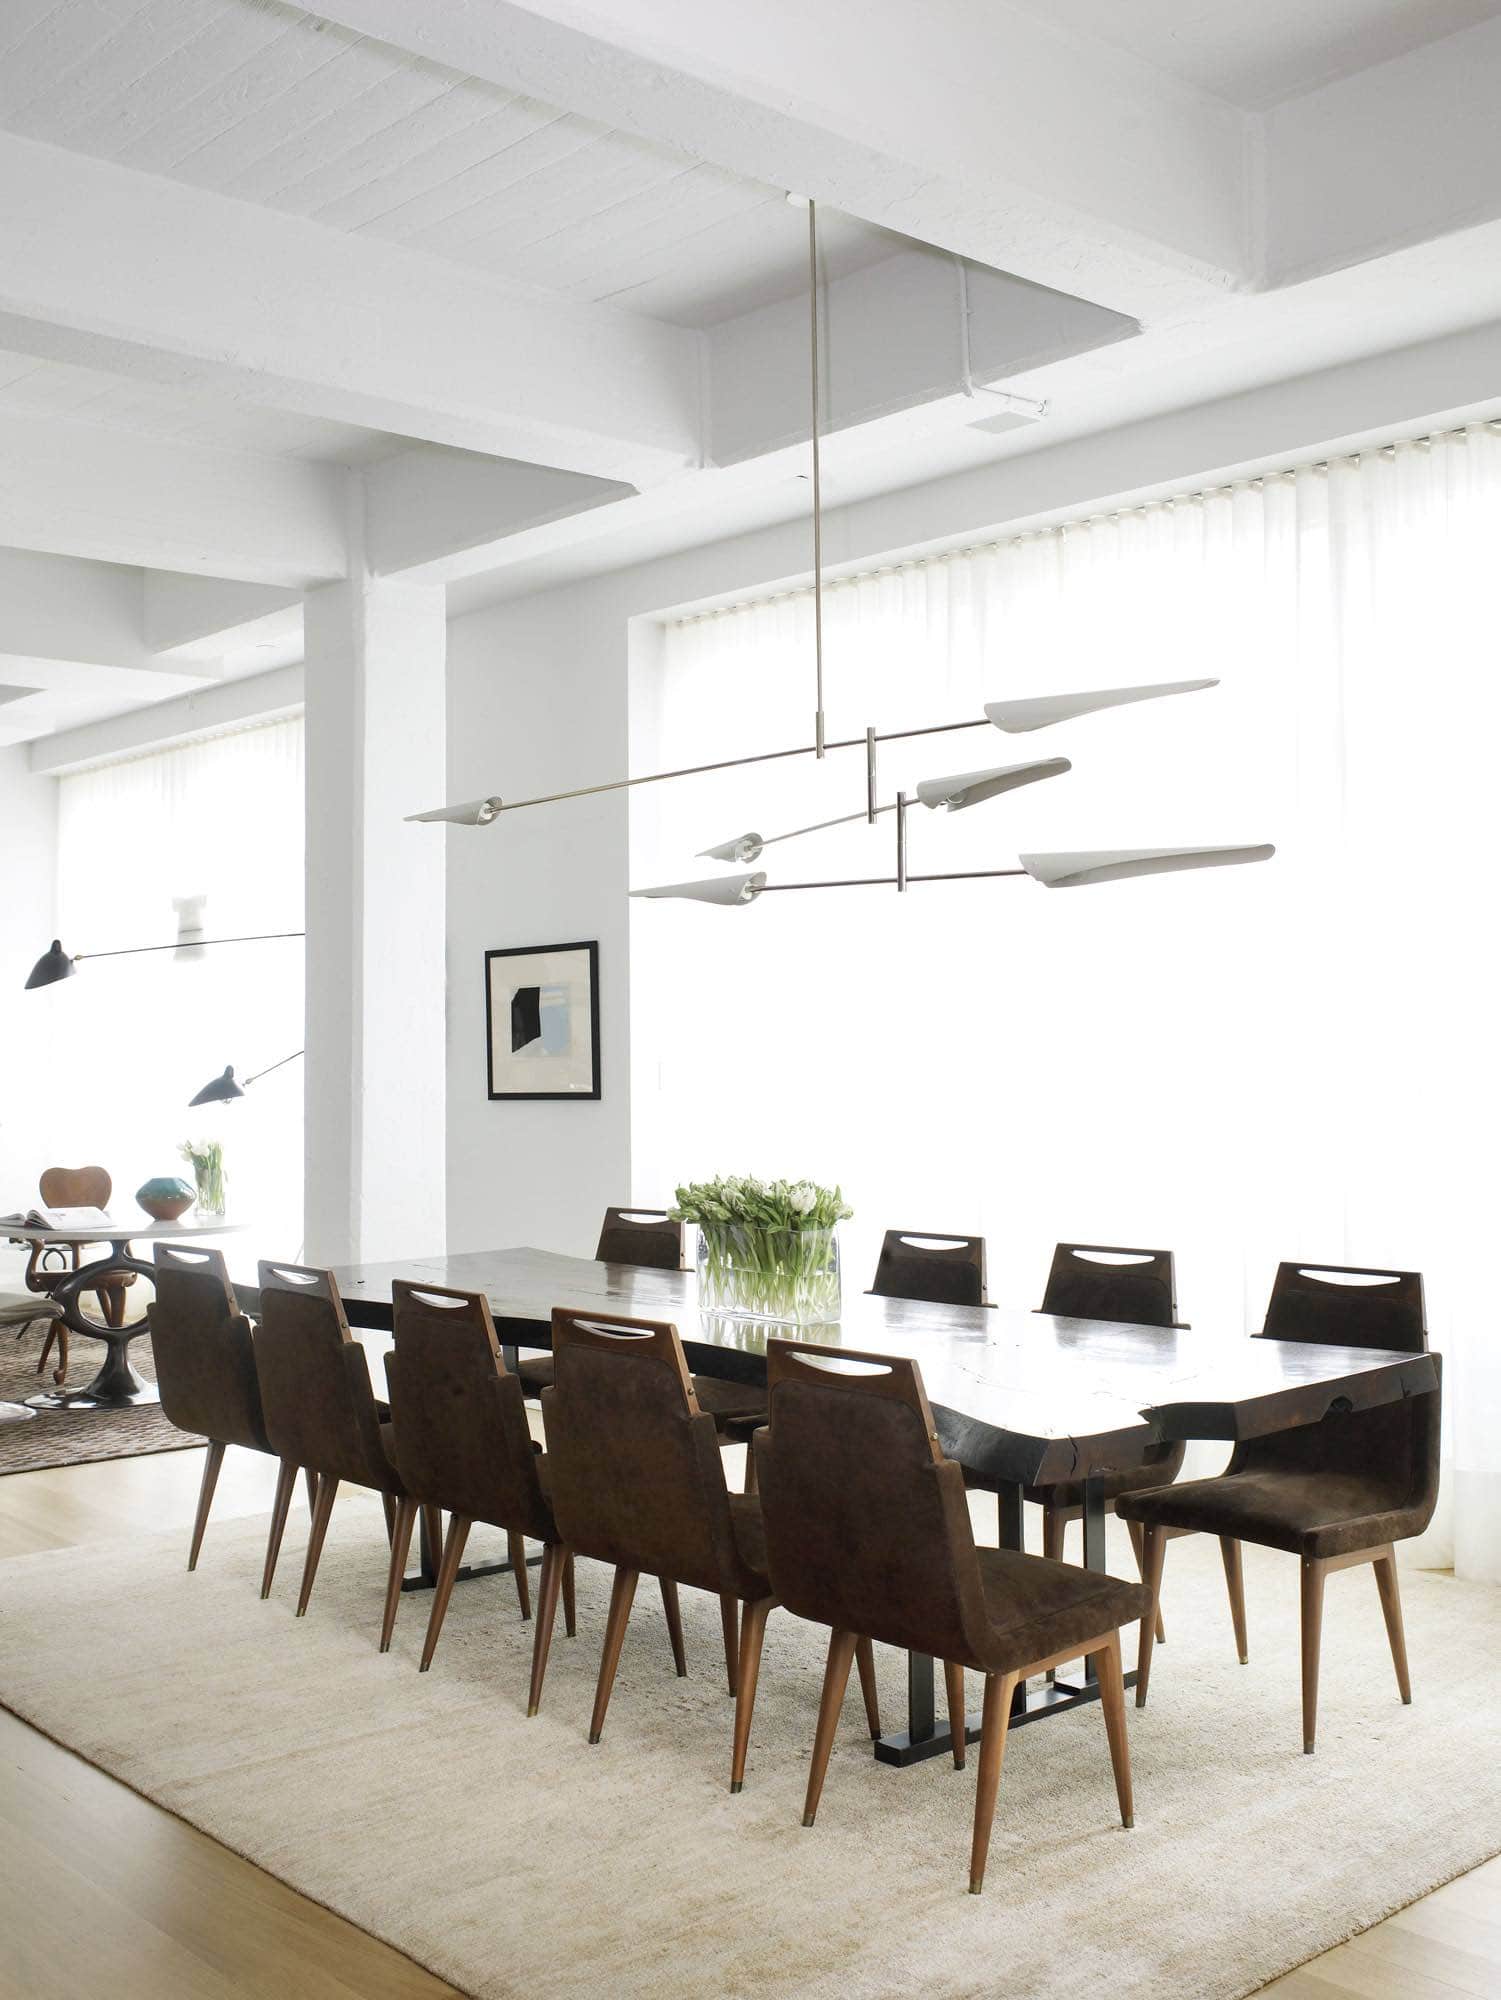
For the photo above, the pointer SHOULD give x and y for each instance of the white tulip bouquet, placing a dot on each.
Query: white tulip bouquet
(766, 1249)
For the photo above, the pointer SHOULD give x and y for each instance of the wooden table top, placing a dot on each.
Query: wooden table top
(1016, 1395)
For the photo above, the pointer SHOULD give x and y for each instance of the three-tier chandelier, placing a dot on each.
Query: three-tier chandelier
(952, 793)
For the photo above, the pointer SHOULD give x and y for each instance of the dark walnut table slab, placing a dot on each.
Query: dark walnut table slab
(1018, 1397)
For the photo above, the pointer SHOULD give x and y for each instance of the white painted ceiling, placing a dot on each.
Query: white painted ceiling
(1254, 53)
(265, 103)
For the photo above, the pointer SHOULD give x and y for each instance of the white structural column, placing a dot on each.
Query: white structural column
(375, 1129)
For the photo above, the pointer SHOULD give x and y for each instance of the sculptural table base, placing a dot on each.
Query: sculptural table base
(117, 1385)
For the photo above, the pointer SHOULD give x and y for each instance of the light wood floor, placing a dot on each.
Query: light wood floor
(102, 1892)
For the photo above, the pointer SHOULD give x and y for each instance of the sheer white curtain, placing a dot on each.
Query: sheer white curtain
(1295, 1060)
(132, 1039)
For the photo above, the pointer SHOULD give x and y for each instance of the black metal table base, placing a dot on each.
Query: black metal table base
(1032, 1704)
(925, 1736)
(420, 1580)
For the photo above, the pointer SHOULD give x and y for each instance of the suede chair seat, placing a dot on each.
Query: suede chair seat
(1035, 1606)
(1309, 1514)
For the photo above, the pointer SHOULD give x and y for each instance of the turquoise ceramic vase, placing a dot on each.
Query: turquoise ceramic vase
(167, 1197)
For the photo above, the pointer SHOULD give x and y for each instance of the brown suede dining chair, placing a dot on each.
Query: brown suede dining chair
(868, 1531)
(926, 1264)
(320, 1410)
(636, 1480)
(461, 1443)
(205, 1368)
(1135, 1288)
(1336, 1494)
(650, 1239)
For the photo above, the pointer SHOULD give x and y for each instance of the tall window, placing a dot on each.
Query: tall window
(132, 1039)
(1295, 1060)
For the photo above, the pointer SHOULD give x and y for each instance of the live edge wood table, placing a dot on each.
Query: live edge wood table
(1018, 1397)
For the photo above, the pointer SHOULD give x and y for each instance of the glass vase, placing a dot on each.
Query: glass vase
(791, 1275)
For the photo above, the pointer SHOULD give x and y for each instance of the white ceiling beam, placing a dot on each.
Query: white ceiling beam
(78, 489)
(137, 274)
(983, 131)
(1398, 154)
(206, 617)
(439, 515)
(255, 698)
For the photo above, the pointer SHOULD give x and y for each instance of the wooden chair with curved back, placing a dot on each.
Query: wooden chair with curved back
(72, 1187)
(868, 1531)
(1132, 1287)
(637, 1481)
(461, 1443)
(649, 1239)
(927, 1264)
(205, 1367)
(1338, 1493)
(319, 1407)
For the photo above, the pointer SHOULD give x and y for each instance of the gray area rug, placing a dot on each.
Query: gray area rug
(75, 1437)
(511, 1857)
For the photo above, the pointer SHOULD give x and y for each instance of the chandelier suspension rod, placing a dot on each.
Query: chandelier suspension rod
(818, 723)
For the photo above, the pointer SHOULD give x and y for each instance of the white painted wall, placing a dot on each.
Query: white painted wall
(28, 847)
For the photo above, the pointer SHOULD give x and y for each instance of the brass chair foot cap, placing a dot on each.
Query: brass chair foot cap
(975, 1888)
(1141, 1700)
(807, 1819)
(1307, 1749)
(593, 1735)
(958, 1763)
(1245, 1659)
(531, 1711)
(1407, 1701)
(192, 1566)
(1128, 1823)
(301, 1611)
(737, 1784)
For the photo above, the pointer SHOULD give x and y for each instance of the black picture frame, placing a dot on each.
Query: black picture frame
(522, 1050)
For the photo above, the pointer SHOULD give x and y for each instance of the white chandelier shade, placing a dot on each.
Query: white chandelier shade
(1042, 711)
(745, 847)
(473, 812)
(1120, 864)
(727, 890)
(972, 788)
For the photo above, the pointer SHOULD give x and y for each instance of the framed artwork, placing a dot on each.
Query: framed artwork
(542, 1020)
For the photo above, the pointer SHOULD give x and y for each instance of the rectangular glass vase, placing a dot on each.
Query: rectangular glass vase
(788, 1275)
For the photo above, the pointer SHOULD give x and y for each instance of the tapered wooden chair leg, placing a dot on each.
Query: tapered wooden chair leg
(1313, 1625)
(865, 1660)
(328, 1492)
(994, 1729)
(1107, 1666)
(448, 1569)
(748, 1672)
(729, 1618)
(554, 1562)
(1391, 1606)
(622, 1595)
(1133, 1528)
(286, 1479)
(388, 1508)
(674, 1625)
(751, 1481)
(1235, 1583)
(311, 1479)
(516, 1550)
(835, 1680)
(953, 1683)
(213, 1458)
(570, 1615)
(1153, 1549)
(401, 1541)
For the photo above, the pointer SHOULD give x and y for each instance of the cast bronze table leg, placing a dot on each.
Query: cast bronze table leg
(925, 1736)
(117, 1386)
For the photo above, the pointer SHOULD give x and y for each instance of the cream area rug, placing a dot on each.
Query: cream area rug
(510, 1857)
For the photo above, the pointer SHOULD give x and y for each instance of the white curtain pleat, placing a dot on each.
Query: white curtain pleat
(132, 1039)
(1295, 1060)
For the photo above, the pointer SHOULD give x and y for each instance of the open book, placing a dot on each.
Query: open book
(63, 1218)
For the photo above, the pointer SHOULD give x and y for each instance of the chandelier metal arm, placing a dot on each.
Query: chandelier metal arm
(890, 881)
(133, 950)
